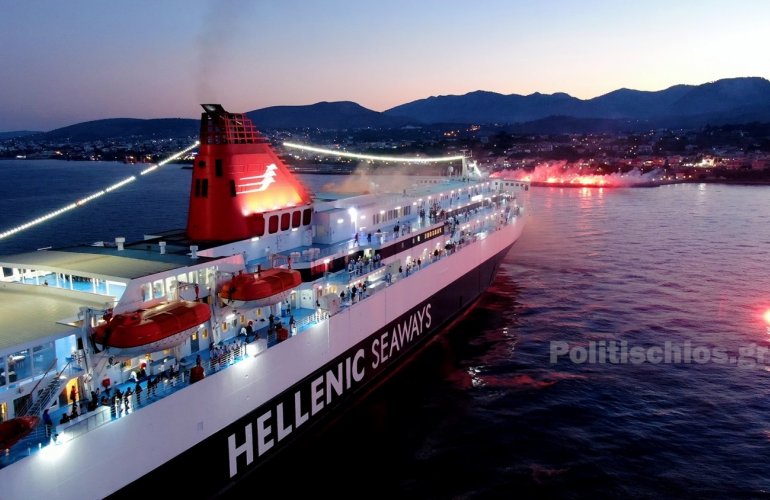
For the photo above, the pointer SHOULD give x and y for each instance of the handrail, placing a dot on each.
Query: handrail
(53, 363)
(32, 401)
(232, 355)
(32, 392)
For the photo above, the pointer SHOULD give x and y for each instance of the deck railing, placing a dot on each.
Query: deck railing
(165, 385)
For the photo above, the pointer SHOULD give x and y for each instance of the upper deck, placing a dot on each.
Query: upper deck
(469, 222)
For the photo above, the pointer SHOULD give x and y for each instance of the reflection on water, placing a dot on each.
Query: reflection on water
(484, 412)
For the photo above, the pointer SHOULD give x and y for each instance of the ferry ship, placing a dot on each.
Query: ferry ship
(201, 353)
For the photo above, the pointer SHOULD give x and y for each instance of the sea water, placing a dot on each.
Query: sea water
(522, 396)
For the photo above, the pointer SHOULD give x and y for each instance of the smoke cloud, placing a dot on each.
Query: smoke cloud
(222, 20)
(383, 179)
(561, 172)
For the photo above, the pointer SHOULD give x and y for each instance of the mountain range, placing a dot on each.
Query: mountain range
(723, 101)
(733, 100)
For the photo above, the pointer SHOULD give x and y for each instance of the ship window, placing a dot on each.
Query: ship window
(157, 287)
(296, 218)
(273, 224)
(205, 188)
(43, 357)
(19, 366)
(232, 188)
(202, 164)
(259, 225)
(146, 292)
(306, 217)
(218, 167)
(197, 187)
(285, 222)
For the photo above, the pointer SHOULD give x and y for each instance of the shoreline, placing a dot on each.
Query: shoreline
(733, 182)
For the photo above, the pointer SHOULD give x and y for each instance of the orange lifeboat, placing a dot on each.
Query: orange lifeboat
(11, 431)
(259, 289)
(153, 329)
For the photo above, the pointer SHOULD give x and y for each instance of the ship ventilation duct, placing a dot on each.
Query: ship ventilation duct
(194, 251)
(119, 242)
(162, 245)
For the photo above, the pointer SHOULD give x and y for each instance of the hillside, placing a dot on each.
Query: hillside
(724, 101)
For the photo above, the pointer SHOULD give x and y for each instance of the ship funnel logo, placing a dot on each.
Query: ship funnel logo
(257, 183)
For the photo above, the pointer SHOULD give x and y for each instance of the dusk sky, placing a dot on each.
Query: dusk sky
(64, 62)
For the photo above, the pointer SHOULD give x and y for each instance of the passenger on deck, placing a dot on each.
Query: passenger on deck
(126, 402)
(47, 422)
(196, 372)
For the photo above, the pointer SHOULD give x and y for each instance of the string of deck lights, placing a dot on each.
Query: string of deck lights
(346, 154)
(83, 201)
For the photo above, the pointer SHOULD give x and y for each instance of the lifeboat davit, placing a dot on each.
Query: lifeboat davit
(11, 431)
(260, 289)
(153, 329)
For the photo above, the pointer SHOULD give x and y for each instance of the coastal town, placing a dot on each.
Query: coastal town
(739, 153)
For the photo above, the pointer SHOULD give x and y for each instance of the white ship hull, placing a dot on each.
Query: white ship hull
(236, 419)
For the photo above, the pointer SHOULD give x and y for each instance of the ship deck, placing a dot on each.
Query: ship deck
(236, 349)
(31, 315)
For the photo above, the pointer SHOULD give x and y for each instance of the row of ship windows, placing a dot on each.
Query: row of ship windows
(394, 213)
(288, 221)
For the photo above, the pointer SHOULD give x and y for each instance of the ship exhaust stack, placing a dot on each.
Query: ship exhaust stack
(162, 245)
(119, 241)
(236, 178)
(193, 251)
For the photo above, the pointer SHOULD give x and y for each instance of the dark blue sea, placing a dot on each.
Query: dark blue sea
(622, 351)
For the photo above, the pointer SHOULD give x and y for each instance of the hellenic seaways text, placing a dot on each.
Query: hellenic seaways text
(299, 405)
